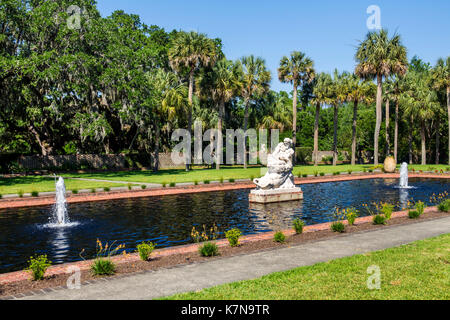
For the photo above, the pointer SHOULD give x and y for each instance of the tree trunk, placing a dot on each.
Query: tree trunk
(388, 115)
(190, 101)
(335, 151)
(410, 141)
(423, 140)
(39, 141)
(379, 116)
(220, 137)
(246, 116)
(448, 110)
(355, 120)
(316, 136)
(294, 119)
(396, 132)
(438, 139)
(157, 138)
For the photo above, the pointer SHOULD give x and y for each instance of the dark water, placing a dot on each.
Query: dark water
(168, 220)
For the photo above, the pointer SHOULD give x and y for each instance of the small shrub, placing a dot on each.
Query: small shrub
(387, 210)
(379, 219)
(103, 267)
(34, 194)
(351, 215)
(197, 237)
(298, 226)
(322, 174)
(106, 189)
(206, 182)
(279, 237)
(20, 193)
(93, 190)
(233, 236)
(420, 207)
(130, 186)
(413, 214)
(195, 183)
(299, 175)
(232, 181)
(1, 196)
(143, 187)
(145, 250)
(305, 175)
(338, 227)
(370, 170)
(365, 170)
(172, 185)
(75, 191)
(316, 174)
(444, 206)
(221, 180)
(209, 249)
(38, 266)
(252, 178)
(164, 184)
(350, 171)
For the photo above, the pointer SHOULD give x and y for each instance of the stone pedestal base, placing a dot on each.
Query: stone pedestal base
(278, 195)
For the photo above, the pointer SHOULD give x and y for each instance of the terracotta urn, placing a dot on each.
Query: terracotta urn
(389, 165)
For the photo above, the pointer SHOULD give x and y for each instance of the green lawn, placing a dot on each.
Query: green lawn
(40, 184)
(28, 184)
(417, 271)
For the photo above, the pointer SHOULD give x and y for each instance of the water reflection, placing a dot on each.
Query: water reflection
(276, 216)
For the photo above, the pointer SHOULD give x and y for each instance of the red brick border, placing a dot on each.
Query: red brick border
(155, 192)
(17, 276)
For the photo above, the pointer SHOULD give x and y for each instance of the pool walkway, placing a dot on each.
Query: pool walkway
(198, 276)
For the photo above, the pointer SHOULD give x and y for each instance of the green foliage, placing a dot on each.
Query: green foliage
(130, 186)
(196, 182)
(206, 182)
(420, 207)
(338, 227)
(316, 173)
(279, 237)
(379, 219)
(103, 267)
(322, 174)
(93, 190)
(351, 215)
(299, 225)
(20, 193)
(444, 206)
(413, 214)
(221, 180)
(209, 249)
(233, 236)
(350, 171)
(232, 180)
(387, 210)
(38, 266)
(144, 186)
(34, 194)
(107, 189)
(305, 175)
(145, 250)
(75, 191)
(172, 185)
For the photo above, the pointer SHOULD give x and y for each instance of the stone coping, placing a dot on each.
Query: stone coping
(18, 276)
(156, 192)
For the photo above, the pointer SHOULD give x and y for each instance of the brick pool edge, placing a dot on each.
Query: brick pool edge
(156, 192)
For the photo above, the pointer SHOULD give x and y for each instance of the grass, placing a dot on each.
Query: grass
(41, 184)
(418, 271)
(168, 176)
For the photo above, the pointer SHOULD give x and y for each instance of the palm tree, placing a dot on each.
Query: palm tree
(323, 91)
(378, 57)
(222, 83)
(339, 96)
(441, 80)
(392, 89)
(189, 52)
(357, 91)
(420, 102)
(278, 114)
(255, 82)
(298, 69)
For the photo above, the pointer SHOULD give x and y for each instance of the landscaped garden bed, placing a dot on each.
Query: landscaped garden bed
(19, 283)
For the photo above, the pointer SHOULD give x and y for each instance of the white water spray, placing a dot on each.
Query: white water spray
(404, 179)
(60, 216)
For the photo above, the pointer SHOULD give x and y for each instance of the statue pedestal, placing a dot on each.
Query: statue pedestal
(277, 195)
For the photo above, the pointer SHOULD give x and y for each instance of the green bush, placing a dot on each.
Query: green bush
(316, 174)
(350, 171)
(93, 190)
(75, 191)
(252, 178)
(221, 180)
(34, 194)
(299, 175)
(322, 174)
(444, 206)
(103, 267)
(145, 250)
(172, 185)
(233, 236)
(20, 193)
(279, 237)
(196, 183)
(106, 189)
(232, 181)
(299, 225)
(420, 207)
(143, 187)
(130, 186)
(209, 249)
(338, 227)
(206, 182)
(305, 175)
(351, 215)
(413, 214)
(1, 196)
(379, 219)
(38, 266)
(387, 210)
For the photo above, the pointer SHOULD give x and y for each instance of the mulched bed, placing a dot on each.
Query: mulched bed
(124, 269)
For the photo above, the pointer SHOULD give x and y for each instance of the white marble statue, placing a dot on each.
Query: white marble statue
(280, 165)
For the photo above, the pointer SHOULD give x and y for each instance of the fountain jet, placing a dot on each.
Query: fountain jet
(404, 183)
(60, 209)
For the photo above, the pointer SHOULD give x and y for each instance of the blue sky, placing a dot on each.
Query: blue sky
(327, 31)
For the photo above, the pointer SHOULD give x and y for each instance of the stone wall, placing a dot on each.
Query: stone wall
(90, 161)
